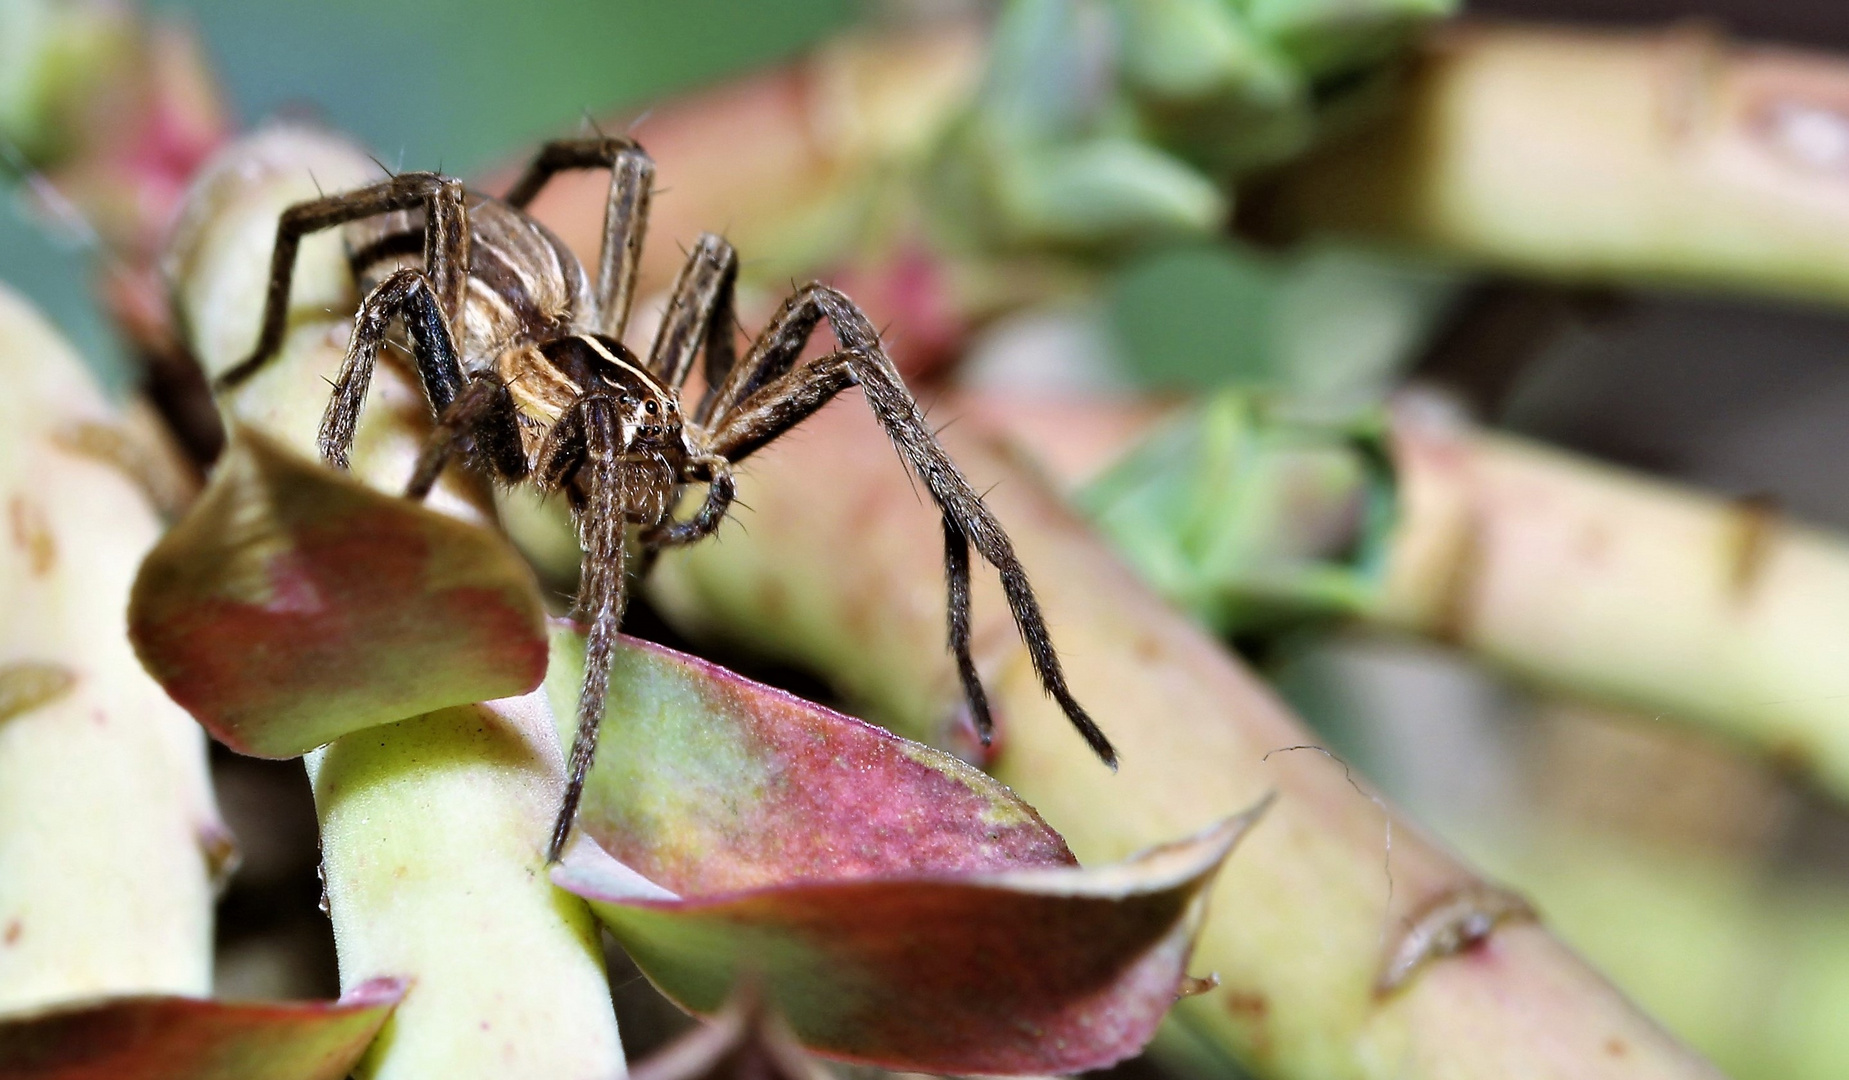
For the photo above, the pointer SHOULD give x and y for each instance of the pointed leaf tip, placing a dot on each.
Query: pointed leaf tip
(293, 605)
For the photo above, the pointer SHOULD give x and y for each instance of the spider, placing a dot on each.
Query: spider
(521, 357)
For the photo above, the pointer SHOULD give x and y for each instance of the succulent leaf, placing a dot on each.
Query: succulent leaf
(293, 605)
(895, 905)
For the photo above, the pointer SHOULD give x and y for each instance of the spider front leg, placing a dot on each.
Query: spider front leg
(721, 489)
(446, 250)
(482, 417)
(408, 294)
(754, 410)
(585, 448)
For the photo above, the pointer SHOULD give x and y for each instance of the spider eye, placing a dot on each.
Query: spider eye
(652, 410)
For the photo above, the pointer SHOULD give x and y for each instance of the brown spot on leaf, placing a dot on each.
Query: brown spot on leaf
(13, 930)
(220, 849)
(1250, 1010)
(32, 535)
(1792, 756)
(1616, 1047)
(1447, 925)
(1751, 527)
(28, 685)
(1594, 542)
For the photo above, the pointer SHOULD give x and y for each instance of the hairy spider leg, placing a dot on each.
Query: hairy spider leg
(408, 294)
(446, 251)
(740, 427)
(956, 611)
(771, 355)
(720, 491)
(589, 439)
(481, 418)
(632, 178)
(699, 314)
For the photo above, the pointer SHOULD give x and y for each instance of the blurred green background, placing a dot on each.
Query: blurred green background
(456, 84)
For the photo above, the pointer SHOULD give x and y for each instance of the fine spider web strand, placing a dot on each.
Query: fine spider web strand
(601, 596)
(1348, 775)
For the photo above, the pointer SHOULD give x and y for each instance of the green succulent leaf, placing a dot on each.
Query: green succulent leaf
(293, 605)
(1249, 517)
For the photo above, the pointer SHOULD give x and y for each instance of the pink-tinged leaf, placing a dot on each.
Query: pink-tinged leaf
(177, 1038)
(293, 605)
(896, 906)
(707, 782)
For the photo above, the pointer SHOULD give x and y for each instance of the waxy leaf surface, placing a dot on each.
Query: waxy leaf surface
(293, 605)
(178, 1038)
(895, 905)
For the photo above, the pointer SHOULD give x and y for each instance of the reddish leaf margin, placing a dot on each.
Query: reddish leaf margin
(179, 1038)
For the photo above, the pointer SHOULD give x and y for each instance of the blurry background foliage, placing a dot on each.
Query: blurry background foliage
(462, 84)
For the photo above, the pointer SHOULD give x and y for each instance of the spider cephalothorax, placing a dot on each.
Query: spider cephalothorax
(521, 356)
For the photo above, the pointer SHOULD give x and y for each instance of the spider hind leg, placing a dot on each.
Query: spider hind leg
(767, 394)
(445, 250)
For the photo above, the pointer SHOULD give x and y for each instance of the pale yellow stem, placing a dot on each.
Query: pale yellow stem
(1589, 578)
(109, 834)
(1669, 155)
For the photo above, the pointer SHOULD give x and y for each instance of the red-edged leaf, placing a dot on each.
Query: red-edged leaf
(177, 1038)
(708, 782)
(896, 906)
(293, 605)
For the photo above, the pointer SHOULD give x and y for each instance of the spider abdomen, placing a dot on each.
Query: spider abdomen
(523, 283)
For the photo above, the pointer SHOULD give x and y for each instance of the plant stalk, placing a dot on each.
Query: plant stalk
(1664, 156)
(1588, 578)
(1578, 577)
